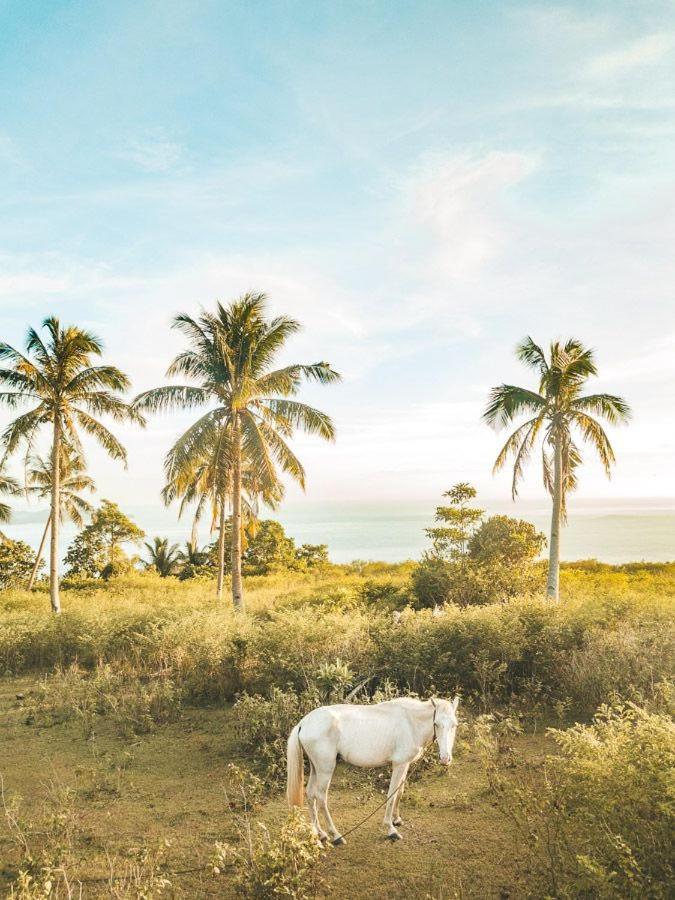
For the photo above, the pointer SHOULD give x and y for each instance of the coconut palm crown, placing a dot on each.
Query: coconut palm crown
(563, 417)
(163, 557)
(67, 392)
(229, 362)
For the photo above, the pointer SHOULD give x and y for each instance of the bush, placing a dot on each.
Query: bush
(262, 726)
(135, 707)
(600, 821)
(502, 539)
(266, 868)
(628, 663)
(384, 594)
(431, 581)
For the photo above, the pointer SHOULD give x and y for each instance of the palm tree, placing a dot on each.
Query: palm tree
(192, 555)
(72, 481)
(206, 480)
(68, 393)
(164, 557)
(8, 485)
(229, 362)
(559, 412)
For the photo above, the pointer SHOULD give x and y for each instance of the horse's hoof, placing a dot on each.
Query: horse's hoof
(398, 822)
(339, 841)
(394, 836)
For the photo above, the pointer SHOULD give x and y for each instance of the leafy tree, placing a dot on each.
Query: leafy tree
(269, 549)
(97, 549)
(561, 415)
(88, 556)
(501, 539)
(473, 560)
(192, 555)
(164, 558)
(67, 393)
(229, 362)
(451, 539)
(312, 556)
(16, 561)
(73, 480)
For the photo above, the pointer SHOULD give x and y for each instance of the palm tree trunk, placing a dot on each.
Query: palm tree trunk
(194, 536)
(54, 517)
(221, 549)
(237, 588)
(552, 587)
(33, 574)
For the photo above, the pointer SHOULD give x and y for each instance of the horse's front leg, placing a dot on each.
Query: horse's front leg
(398, 775)
(396, 818)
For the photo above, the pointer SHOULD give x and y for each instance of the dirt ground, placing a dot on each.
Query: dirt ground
(167, 789)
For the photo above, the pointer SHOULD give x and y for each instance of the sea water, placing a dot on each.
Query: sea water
(612, 531)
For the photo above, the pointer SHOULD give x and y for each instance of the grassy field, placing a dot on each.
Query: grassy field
(171, 786)
(118, 726)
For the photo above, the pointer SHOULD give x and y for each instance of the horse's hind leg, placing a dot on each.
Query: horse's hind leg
(323, 779)
(312, 797)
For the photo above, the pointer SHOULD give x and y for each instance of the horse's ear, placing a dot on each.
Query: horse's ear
(455, 704)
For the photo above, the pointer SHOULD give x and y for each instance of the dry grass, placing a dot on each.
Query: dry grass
(171, 786)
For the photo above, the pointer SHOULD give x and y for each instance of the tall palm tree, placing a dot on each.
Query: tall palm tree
(559, 413)
(163, 557)
(68, 393)
(205, 480)
(229, 362)
(73, 479)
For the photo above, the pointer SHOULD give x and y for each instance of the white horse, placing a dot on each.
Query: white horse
(395, 732)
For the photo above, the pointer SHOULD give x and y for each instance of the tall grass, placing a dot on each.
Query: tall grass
(611, 634)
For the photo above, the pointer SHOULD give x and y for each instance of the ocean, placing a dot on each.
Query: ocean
(612, 531)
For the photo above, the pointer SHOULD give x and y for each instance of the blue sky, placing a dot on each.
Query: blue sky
(420, 183)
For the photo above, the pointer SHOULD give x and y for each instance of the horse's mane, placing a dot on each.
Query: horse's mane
(410, 702)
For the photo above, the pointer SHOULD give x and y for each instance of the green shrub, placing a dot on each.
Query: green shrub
(384, 594)
(134, 706)
(431, 581)
(600, 820)
(628, 662)
(262, 726)
(266, 868)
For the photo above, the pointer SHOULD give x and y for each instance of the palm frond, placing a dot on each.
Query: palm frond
(507, 401)
(613, 409)
(170, 397)
(300, 415)
(105, 438)
(594, 434)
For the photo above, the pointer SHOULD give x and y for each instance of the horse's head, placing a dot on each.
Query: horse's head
(445, 727)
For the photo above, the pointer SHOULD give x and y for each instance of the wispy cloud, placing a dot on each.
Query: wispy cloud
(459, 198)
(152, 153)
(651, 50)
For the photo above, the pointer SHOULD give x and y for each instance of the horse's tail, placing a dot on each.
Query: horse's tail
(295, 773)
